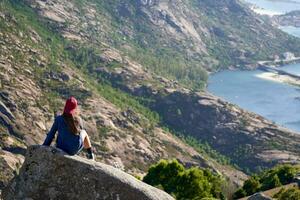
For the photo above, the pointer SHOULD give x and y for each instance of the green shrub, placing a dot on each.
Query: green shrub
(252, 185)
(289, 194)
(272, 178)
(240, 193)
(193, 183)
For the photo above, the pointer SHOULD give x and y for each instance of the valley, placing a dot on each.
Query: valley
(140, 70)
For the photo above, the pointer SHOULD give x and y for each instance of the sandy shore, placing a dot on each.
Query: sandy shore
(279, 78)
(262, 11)
(265, 12)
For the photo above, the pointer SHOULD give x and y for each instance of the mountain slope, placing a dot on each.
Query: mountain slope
(249, 140)
(38, 73)
(117, 58)
(177, 39)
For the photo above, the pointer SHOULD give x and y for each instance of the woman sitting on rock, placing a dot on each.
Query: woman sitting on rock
(71, 137)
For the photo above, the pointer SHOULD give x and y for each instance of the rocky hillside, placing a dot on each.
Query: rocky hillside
(251, 141)
(38, 73)
(46, 175)
(177, 39)
(117, 59)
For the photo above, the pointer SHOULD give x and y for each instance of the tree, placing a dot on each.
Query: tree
(164, 174)
(192, 183)
(277, 176)
(272, 182)
(286, 173)
(252, 185)
(289, 194)
(240, 193)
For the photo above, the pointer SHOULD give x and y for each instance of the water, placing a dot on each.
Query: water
(277, 6)
(275, 101)
(291, 30)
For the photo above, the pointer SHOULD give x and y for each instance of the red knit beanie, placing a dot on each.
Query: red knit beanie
(71, 105)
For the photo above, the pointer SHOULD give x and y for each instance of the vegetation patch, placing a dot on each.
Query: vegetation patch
(182, 183)
(272, 178)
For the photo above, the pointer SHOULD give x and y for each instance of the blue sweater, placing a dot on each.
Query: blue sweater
(65, 140)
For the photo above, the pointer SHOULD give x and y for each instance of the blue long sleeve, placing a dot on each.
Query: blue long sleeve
(51, 133)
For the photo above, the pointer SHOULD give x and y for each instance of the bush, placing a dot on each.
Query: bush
(289, 194)
(252, 185)
(275, 177)
(240, 193)
(182, 183)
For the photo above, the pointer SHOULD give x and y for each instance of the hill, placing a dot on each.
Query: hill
(37, 74)
(136, 67)
(176, 39)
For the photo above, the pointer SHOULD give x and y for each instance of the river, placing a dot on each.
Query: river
(275, 101)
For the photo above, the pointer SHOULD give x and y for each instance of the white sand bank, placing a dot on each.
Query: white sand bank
(262, 11)
(279, 78)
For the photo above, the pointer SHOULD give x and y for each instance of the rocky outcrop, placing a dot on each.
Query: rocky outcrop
(48, 173)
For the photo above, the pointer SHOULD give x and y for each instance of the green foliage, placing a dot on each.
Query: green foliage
(272, 178)
(173, 65)
(271, 182)
(280, 175)
(252, 185)
(289, 194)
(193, 183)
(240, 193)
(204, 148)
(87, 59)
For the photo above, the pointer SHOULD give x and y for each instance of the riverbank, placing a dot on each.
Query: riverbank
(280, 78)
(268, 94)
(262, 11)
(274, 72)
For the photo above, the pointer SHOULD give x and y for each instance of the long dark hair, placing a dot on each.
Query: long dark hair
(73, 123)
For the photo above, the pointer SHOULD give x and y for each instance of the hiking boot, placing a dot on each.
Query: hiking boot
(90, 156)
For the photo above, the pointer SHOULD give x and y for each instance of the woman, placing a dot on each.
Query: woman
(71, 137)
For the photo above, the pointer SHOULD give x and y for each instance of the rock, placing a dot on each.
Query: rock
(41, 125)
(62, 77)
(48, 173)
(6, 111)
(8, 164)
(259, 196)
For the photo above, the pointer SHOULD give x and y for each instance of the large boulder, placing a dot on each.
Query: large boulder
(49, 173)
